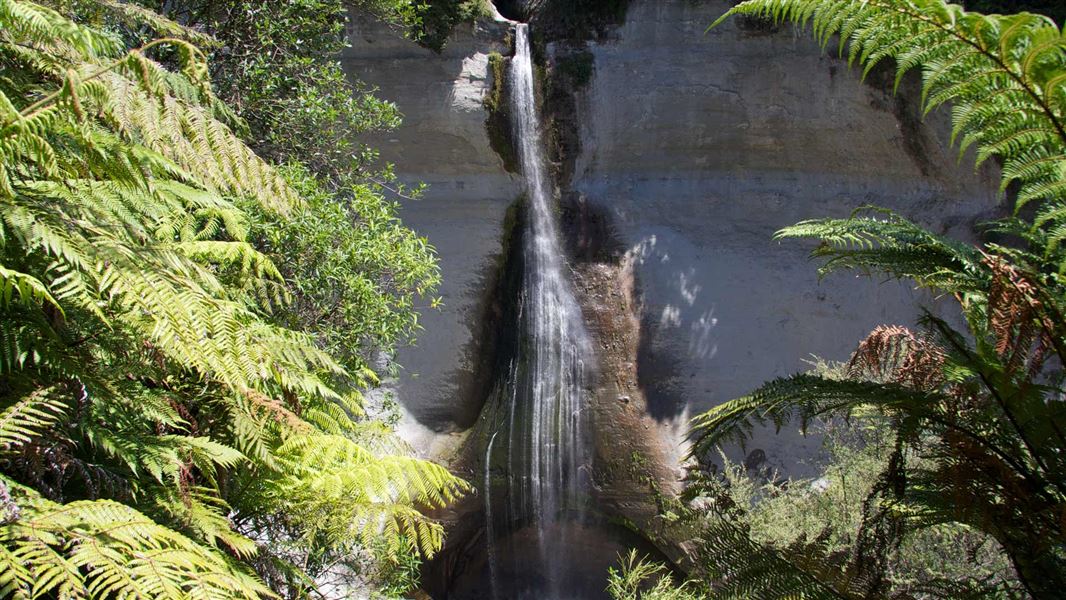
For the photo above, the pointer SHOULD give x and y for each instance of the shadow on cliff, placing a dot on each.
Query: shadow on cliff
(591, 238)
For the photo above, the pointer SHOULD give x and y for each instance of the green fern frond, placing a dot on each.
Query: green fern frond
(640, 579)
(103, 549)
(29, 288)
(339, 489)
(1003, 75)
(804, 397)
(29, 417)
(875, 240)
(44, 27)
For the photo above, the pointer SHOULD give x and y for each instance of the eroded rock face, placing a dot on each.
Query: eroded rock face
(688, 151)
(693, 148)
(697, 147)
(443, 142)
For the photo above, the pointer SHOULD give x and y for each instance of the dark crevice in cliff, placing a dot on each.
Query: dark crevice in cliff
(495, 339)
(465, 522)
(587, 232)
(554, 20)
(560, 125)
(919, 142)
(512, 9)
(576, 20)
(904, 104)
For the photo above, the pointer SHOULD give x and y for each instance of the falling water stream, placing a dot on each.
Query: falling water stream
(545, 538)
(548, 442)
(558, 344)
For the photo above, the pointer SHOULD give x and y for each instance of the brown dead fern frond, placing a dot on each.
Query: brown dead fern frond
(895, 354)
(265, 407)
(1017, 319)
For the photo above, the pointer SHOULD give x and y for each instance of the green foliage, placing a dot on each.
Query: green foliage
(498, 114)
(577, 66)
(355, 272)
(495, 100)
(154, 413)
(277, 64)
(436, 19)
(333, 487)
(104, 549)
(760, 537)
(641, 579)
(977, 415)
(878, 241)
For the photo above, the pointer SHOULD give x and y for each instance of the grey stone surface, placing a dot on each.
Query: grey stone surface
(698, 147)
(442, 142)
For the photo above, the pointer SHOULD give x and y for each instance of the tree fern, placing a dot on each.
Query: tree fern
(144, 388)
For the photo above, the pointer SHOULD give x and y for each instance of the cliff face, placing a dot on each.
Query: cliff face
(444, 143)
(689, 150)
(695, 147)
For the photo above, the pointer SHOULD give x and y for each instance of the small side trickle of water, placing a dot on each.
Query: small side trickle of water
(489, 534)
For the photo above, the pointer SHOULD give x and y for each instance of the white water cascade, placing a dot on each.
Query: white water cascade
(548, 442)
(558, 343)
(547, 536)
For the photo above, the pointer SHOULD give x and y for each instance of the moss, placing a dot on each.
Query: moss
(495, 98)
(498, 114)
(512, 222)
(755, 26)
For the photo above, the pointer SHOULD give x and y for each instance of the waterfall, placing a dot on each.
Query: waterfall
(557, 341)
(543, 538)
(548, 441)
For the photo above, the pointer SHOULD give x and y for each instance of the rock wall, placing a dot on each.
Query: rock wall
(697, 147)
(443, 143)
(680, 154)
(691, 149)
